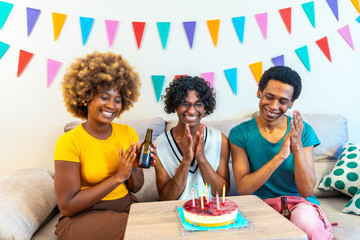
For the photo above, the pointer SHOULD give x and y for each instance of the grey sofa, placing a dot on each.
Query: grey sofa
(331, 130)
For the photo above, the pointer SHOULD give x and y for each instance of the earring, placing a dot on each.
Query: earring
(290, 107)
(258, 97)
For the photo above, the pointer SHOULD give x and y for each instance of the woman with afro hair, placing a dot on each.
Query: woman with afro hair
(94, 174)
(190, 154)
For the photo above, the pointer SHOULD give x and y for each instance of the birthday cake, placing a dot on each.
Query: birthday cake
(210, 215)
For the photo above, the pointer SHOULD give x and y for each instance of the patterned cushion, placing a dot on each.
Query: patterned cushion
(353, 207)
(345, 175)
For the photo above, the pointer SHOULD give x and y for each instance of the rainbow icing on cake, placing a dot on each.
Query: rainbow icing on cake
(210, 216)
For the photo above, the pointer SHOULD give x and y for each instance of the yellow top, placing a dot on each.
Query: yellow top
(99, 159)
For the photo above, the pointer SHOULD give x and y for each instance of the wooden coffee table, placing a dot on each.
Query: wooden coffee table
(157, 220)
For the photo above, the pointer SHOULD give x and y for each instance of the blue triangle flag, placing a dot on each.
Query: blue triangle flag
(358, 19)
(163, 28)
(309, 11)
(3, 48)
(239, 25)
(32, 16)
(5, 9)
(303, 54)
(85, 24)
(158, 83)
(333, 4)
(278, 61)
(231, 75)
(190, 31)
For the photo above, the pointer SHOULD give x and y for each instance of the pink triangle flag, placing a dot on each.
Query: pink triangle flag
(111, 27)
(209, 77)
(261, 19)
(52, 68)
(345, 33)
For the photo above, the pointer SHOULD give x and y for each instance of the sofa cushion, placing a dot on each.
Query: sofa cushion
(353, 206)
(148, 192)
(26, 199)
(323, 167)
(345, 175)
(140, 126)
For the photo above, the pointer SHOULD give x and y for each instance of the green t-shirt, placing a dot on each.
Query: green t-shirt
(259, 151)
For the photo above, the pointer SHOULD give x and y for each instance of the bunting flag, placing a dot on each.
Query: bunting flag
(257, 70)
(158, 83)
(190, 31)
(58, 23)
(356, 5)
(333, 4)
(213, 26)
(324, 46)
(261, 19)
(239, 25)
(303, 54)
(163, 28)
(309, 11)
(358, 19)
(180, 75)
(209, 77)
(231, 76)
(111, 28)
(3, 48)
(286, 17)
(5, 9)
(52, 68)
(24, 58)
(138, 31)
(278, 61)
(345, 33)
(32, 16)
(85, 25)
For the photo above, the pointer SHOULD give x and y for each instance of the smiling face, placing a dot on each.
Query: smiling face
(191, 110)
(104, 107)
(275, 100)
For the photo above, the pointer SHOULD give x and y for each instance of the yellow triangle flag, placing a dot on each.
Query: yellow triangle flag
(257, 70)
(58, 23)
(356, 5)
(213, 26)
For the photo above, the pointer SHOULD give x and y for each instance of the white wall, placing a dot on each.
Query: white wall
(32, 116)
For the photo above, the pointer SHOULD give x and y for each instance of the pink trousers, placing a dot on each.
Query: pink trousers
(307, 216)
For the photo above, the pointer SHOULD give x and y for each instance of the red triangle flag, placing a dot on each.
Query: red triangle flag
(138, 30)
(24, 58)
(324, 46)
(286, 17)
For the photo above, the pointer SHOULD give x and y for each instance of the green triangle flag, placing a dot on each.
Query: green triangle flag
(158, 82)
(163, 28)
(303, 54)
(3, 48)
(231, 75)
(5, 9)
(309, 11)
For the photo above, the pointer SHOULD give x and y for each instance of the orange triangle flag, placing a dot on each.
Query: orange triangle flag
(286, 17)
(58, 23)
(213, 26)
(24, 58)
(256, 69)
(356, 5)
(324, 46)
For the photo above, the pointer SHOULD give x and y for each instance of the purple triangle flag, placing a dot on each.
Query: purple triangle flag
(190, 30)
(52, 68)
(32, 16)
(278, 61)
(111, 27)
(333, 4)
(209, 77)
(345, 33)
(261, 19)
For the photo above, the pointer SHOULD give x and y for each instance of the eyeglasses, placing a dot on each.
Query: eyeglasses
(198, 105)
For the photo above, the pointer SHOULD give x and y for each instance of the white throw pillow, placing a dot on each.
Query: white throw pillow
(26, 198)
(353, 206)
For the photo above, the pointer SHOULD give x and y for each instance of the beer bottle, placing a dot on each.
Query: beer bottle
(143, 157)
(284, 208)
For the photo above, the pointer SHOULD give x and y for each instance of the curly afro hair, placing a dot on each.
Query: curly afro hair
(178, 91)
(282, 74)
(97, 72)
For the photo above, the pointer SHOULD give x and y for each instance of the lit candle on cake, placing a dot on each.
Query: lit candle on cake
(217, 202)
(209, 193)
(193, 196)
(197, 191)
(206, 192)
(201, 201)
(223, 198)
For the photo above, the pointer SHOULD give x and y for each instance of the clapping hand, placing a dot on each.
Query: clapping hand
(199, 144)
(296, 130)
(126, 162)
